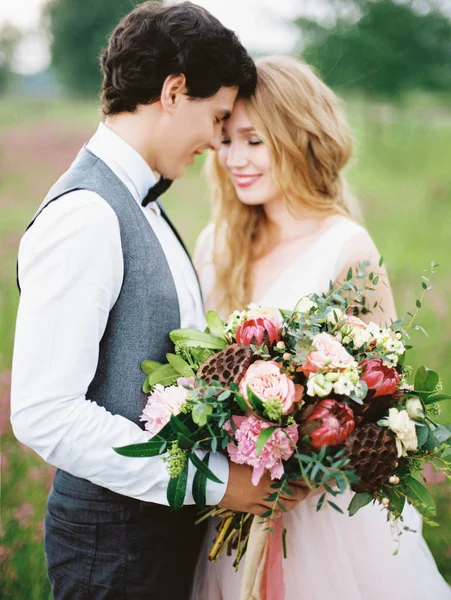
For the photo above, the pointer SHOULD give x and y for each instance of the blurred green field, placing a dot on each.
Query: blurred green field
(402, 174)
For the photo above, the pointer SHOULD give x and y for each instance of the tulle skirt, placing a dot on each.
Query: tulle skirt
(332, 556)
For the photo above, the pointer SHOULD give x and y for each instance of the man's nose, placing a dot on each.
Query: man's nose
(215, 141)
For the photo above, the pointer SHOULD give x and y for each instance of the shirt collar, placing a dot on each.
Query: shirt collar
(124, 161)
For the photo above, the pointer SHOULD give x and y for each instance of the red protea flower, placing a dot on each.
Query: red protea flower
(336, 423)
(258, 331)
(383, 380)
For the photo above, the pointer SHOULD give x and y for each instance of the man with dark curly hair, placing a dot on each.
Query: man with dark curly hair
(104, 277)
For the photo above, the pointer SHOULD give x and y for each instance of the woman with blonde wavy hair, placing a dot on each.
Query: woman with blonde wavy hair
(285, 224)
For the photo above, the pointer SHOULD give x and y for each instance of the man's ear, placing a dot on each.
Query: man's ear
(174, 87)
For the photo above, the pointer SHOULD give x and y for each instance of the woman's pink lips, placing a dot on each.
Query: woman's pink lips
(244, 181)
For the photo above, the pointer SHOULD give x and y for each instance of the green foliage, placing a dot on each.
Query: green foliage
(9, 38)
(381, 47)
(79, 31)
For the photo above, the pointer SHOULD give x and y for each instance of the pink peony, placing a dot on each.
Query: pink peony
(329, 354)
(164, 402)
(266, 381)
(262, 325)
(384, 380)
(336, 423)
(278, 448)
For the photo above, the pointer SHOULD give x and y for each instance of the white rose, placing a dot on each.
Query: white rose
(304, 305)
(404, 428)
(360, 337)
(317, 385)
(414, 408)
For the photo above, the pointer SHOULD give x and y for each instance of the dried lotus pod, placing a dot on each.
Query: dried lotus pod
(373, 456)
(227, 366)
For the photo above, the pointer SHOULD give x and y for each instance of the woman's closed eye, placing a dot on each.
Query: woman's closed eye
(254, 142)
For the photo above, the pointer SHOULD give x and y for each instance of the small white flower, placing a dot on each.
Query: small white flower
(346, 340)
(235, 319)
(376, 332)
(414, 408)
(338, 336)
(404, 428)
(317, 385)
(343, 387)
(305, 305)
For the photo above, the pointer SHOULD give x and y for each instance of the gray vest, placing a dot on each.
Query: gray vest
(145, 312)
(147, 308)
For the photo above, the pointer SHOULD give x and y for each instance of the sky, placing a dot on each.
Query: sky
(262, 25)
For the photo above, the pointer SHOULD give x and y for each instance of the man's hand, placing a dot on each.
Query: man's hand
(242, 496)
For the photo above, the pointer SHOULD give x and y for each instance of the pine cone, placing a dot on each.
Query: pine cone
(227, 366)
(373, 408)
(373, 456)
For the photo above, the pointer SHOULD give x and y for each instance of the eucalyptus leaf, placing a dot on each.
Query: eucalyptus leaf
(201, 412)
(422, 434)
(443, 433)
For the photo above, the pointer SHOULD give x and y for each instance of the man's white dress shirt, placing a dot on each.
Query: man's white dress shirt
(71, 271)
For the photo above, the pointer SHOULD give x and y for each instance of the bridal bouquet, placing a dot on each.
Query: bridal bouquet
(313, 394)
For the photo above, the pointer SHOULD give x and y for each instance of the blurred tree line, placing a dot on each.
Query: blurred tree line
(9, 39)
(383, 48)
(79, 30)
(379, 47)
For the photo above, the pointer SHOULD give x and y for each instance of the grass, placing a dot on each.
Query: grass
(401, 175)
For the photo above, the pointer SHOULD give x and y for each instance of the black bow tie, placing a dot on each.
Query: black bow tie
(157, 190)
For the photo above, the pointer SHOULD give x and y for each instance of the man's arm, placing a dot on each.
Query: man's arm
(71, 271)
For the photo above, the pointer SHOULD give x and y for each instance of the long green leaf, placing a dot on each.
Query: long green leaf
(180, 365)
(420, 496)
(239, 399)
(215, 324)
(153, 447)
(179, 426)
(202, 467)
(164, 375)
(359, 501)
(263, 437)
(177, 489)
(146, 387)
(148, 366)
(436, 398)
(200, 485)
(255, 401)
(192, 337)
